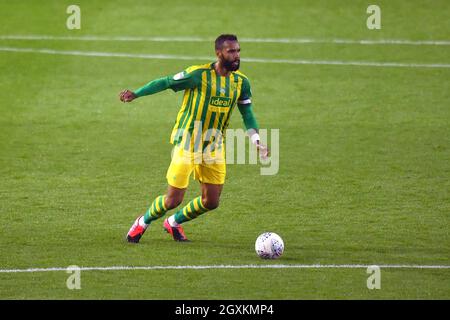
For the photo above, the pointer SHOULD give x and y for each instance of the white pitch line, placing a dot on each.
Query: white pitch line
(106, 54)
(247, 40)
(256, 60)
(249, 266)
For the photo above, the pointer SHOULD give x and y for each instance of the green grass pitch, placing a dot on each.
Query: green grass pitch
(364, 173)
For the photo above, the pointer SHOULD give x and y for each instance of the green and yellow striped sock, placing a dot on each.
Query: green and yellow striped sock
(191, 211)
(156, 210)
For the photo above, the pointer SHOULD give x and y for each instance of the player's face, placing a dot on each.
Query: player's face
(230, 55)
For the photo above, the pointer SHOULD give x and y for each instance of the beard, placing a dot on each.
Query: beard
(231, 65)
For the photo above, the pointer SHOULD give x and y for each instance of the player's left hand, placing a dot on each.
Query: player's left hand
(127, 96)
(264, 151)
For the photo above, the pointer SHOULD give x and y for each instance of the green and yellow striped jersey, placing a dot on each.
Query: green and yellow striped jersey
(208, 102)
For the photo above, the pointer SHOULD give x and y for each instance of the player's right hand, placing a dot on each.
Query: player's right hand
(127, 96)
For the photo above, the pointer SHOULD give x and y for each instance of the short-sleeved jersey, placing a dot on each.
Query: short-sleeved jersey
(208, 102)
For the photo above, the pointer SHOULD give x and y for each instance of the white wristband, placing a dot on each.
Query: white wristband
(255, 138)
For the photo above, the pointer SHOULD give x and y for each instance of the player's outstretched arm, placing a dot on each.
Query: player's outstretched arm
(180, 81)
(152, 87)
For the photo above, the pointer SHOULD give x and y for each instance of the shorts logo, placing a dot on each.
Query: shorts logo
(220, 101)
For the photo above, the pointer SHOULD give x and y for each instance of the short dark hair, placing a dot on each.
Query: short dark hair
(222, 38)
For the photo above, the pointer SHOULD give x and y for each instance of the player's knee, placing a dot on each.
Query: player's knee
(210, 203)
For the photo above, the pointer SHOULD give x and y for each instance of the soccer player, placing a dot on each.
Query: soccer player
(211, 91)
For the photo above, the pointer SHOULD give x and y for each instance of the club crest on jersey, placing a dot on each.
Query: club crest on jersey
(220, 101)
(179, 76)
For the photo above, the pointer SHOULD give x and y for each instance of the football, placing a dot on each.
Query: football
(269, 245)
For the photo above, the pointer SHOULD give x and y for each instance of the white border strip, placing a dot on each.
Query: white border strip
(248, 266)
(256, 60)
(247, 40)
(105, 54)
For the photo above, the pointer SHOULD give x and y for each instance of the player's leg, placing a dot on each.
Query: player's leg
(178, 180)
(159, 207)
(209, 200)
(164, 203)
(212, 178)
(211, 195)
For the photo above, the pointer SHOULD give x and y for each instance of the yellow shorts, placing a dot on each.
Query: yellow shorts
(207, 167)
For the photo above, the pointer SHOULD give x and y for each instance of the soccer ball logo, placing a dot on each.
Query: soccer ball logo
(269, 245)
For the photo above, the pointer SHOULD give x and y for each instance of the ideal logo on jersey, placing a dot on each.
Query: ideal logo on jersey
(220, 101)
